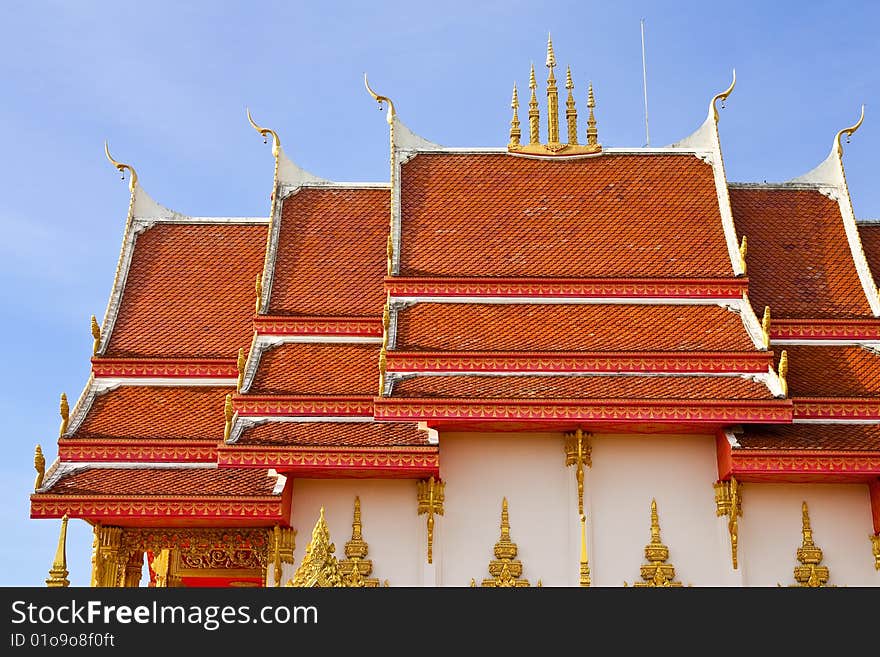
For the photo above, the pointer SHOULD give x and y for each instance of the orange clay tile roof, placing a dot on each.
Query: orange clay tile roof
(570, 327)
(816, 371)
(870, 234)
(581, 387)
(799, 260)
(189, 292)
(188, 482)
(844, 437)
(611, 216)
(334, 434)
(156, 413)
(308, 368)
(331, 255)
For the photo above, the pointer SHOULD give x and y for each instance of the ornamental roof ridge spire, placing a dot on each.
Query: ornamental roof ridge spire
(553, 146)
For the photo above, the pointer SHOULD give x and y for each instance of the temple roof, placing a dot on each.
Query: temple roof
(308, 368)
(334, 434)
(189, 291)
(869, 232)
(617, 215)
(833, 371)
(837, 437)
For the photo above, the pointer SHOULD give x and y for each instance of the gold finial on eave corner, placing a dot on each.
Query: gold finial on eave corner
(64, 410)
(121, 167)
(571, 115)
(743, 252)
(96, 335)
(381, 99)
(240, 363)
(258, 287)
(783, 372)
(265, 133)
(228, 412)
(40, 467)
(765, 327)
(722, 97)
(58, 573)
(848, 132)
(515, 131)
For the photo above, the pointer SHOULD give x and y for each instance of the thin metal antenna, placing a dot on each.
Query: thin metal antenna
(645, 85)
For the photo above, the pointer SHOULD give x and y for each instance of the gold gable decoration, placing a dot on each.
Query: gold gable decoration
(810, 573)
(656, 573)
(356, 568)
(505, 569)
(319, 567)
(553, 146)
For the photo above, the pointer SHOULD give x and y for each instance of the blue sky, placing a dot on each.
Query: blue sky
(167, 84)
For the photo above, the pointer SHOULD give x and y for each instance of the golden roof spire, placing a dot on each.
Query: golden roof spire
(592, 133)
(534, 113)
(552, 99)
(515, 132)
(64, 410)
(58, 573)
(39, 466)
(571, 114)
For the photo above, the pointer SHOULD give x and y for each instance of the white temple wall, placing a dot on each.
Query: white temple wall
(391, 527)
(770, 532)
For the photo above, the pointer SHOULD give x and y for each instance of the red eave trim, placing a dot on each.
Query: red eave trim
(836, 408)
(600, 362)
(213, 368)
(191, 451)
(671, 288)
(332, 462)
(296, 406)
(604, 410)
(316, 326)
(825, 329)
(796, 466)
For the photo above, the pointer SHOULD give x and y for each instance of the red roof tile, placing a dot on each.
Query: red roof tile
(189, 292)
(842, 437)
(816, 371)
(331, 256)
(609, 216)
(308, 368)
(334, 434)
(799, 260)
(185, 482)
(156, 413)
(870, 235)
(581, 387)
(570, 327)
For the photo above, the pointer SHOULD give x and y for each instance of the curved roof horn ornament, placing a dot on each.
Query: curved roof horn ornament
(121, 167)
(381, 99)
(849, 132)
(265, 133)
(722, 97)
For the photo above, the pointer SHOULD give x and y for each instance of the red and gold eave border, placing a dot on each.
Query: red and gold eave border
(836, 408)
(825, 329)
(165, 511)
(160, 451)
(335, 462)
(302, 406)
(370, 327)
(209, 368)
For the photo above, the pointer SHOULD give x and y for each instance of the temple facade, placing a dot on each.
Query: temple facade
(549, 364)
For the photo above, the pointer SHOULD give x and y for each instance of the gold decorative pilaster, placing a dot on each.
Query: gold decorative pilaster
(534, 113)
(281, 550)
(552, 100)
(40, 467)
(765, 327)
(743, 251)
(505, 569)
(319, 567)
(810, 573)
(64, 410)
(110, 557)
(356, 568)
(592, 132)
(96, 336)
(58, 573)
(515, 132)
(578, 452)
(431, 493)
(571, 114)
(656, 573)
(875, 549)
(783, 372)
(728, 502)
(134, 570)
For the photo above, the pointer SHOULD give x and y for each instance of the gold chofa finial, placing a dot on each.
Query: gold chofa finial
(381, 99)
(64, 410)
(713, 110)
(121, 167)
(58, 573)
(848, 132)
(265, 133)
(515, 132)
(571, 114)
(96, 335)
(40, 467)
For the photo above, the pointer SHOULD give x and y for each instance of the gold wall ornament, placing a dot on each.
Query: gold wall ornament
(356, 568)
(431, 494)
(133, 178)
(743, 251)
(64, 410)
(515, 131)
(578, 452)
(765, 327)
(40, 467)
(875, 549)
(259, 290)
(783, 372)
(534, 112)
(810, 573)
(228, 412)
(722, 97)
(571, 115)
(656, 573)
(58, 573)
(281, 550)
(505, 569)
(848, 132)
(240, 364)
(728, 502)
(319, 567)
(96, 335)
